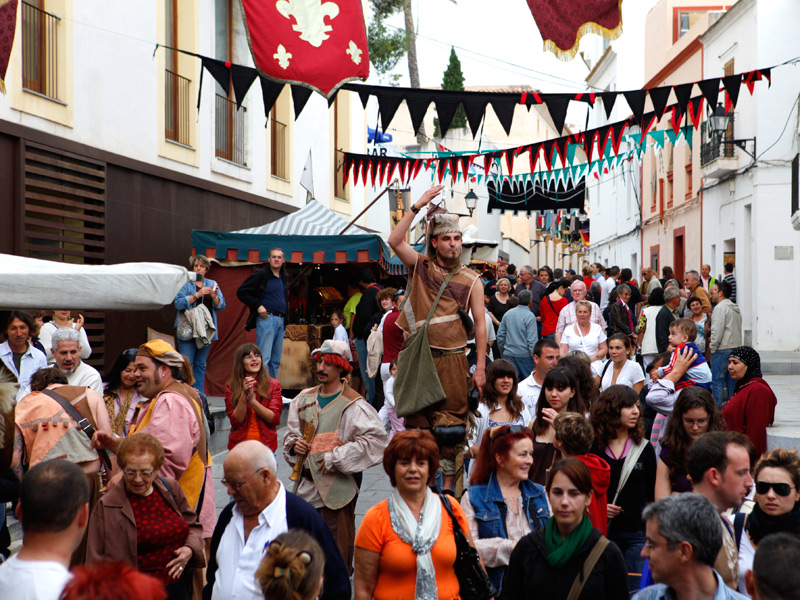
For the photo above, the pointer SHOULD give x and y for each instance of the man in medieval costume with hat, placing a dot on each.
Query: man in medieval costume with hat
(447, 332)
(336, 435)
(174, 415)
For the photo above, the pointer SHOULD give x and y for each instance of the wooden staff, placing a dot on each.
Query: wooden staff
(296, 476)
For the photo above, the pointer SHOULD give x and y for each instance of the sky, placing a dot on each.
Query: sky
(496, 41)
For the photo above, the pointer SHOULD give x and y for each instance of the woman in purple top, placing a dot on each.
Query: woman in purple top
(695, 413)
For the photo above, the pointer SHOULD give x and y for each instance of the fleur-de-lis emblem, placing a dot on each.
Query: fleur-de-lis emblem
(310, 18)
(355, 52)
(282, 56)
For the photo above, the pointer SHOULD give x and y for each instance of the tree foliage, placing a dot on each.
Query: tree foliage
(386, 48)
(453, 80)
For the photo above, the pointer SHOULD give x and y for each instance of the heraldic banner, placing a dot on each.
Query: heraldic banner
(319, 44)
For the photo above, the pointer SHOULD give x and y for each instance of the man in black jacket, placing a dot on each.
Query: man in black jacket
(261, 510)
(665, 316)
(367, 306)
(266, 294)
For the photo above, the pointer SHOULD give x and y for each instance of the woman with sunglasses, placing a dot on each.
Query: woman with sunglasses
(777, 478)
(695, 413)
(253, 400)
(751, 408)
(559, 394)
(501, 504)
(500, 404)
(619, 440)
(549, 561)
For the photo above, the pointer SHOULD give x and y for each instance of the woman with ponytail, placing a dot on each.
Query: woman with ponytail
(292, 567)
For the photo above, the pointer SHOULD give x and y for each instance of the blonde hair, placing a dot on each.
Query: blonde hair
(292, 568)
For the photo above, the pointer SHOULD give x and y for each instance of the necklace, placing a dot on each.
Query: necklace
(512, 500)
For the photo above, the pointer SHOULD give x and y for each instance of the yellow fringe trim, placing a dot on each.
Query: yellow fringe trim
(2, 87)
(588, 27)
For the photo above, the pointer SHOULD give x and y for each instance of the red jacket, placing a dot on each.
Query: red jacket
(751, 410)
(269, 433)
(601, 478)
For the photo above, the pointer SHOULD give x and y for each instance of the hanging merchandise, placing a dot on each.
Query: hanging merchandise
(563, 24)
(317, 45)
(8, 24)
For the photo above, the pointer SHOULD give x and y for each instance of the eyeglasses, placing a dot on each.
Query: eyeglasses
(782, 489)
(239, 485)
(495, 432)
(131, 474)
(650, 544)
(697, 422)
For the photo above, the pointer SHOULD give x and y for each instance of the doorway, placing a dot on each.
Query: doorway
(679, 253)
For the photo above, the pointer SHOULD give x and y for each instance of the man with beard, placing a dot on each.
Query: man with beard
(174, 415)
(337, 435)
(446, 333)
(67, 352)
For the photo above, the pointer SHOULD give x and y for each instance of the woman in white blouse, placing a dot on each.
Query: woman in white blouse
(584, 335)
(619, 369)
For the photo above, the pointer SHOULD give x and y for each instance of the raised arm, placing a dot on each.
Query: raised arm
(397, 239)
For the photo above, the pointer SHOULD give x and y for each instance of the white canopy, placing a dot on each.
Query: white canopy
(33, 283)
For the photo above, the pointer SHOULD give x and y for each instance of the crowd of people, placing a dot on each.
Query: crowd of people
(615, 444)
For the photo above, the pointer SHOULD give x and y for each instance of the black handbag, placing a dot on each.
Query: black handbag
(473, 581)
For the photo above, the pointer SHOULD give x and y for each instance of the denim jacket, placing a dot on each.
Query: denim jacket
(182, 300)
(490, 513)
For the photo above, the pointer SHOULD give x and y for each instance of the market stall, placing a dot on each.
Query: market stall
(320, 263)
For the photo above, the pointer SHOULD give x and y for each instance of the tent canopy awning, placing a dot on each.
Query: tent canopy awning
(310, 235)
(34, 283)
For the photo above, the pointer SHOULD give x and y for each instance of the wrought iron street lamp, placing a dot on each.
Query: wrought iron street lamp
(720, 121)
(471, 199)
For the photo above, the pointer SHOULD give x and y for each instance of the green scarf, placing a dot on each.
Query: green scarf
(559, 550)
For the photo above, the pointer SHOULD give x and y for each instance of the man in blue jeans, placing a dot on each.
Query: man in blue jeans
(726, 334)
(266, 294)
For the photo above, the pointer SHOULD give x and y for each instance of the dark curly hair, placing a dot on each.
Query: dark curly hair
(497, 369)
(676, 441)
(584, 377)
(605, 416)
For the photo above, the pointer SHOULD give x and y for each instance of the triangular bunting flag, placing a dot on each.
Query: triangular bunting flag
(270, 92)
(417, 108)
(243, 78)
(732, 84)
(504, 109)
(694, 111)
(446, 109)
(300, 96)
(474, 110)
(683, 93)
(710, 89)
(220, 71)
(608, 102)
(676, 118)
(557, 105)
(635, 99)
(388, 105)
(659, 97)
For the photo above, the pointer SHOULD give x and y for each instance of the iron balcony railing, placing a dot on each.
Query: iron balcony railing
(177, 108)
(39, 51)
(712, 146)
(229, 131)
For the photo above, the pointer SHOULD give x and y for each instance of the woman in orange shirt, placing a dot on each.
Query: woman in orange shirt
(405, 546)
(253, 400)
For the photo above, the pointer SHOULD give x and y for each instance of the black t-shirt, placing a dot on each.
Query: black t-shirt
(366, 307)
(639, 490)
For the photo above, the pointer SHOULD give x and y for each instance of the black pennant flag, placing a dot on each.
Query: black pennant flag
(446, 109)
(220, 72)
(608, 102)
(557, 104)
(710, 89)
(504, 109)
(417, 108)
(270, 92)
(683, 93)
(474, 110)
(243, 78)
(635, 99)
(732, 84)
(659, 97)
(363, 93)
(388, 104)
(300, 96)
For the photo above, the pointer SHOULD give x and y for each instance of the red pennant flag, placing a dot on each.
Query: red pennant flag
(562, 24)
(415, 169)
(314, 43)
(509, 155)
(694, 110)
(676, 119)
(347, 164)
(533, 156)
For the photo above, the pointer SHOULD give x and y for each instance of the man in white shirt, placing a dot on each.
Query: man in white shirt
(545, 358)
(568, 316)
(261, 510)
(54, 510)
(608, 286)
(67, 352)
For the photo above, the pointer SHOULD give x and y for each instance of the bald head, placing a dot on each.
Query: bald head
(253, 454)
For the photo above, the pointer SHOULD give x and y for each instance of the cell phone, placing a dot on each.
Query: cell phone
(200, 277)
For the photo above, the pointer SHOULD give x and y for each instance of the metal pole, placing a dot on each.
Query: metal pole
(367, 207)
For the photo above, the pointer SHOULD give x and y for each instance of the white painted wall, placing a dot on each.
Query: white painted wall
(752, 210)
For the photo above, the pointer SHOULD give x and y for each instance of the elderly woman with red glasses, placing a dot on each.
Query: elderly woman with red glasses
(502, 505)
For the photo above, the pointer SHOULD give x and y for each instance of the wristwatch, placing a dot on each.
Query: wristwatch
(415, 209)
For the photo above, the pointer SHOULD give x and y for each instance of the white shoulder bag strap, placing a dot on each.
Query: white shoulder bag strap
(627, 467)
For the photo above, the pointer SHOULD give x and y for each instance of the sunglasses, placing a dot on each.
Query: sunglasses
(495, 432)
(782, 489)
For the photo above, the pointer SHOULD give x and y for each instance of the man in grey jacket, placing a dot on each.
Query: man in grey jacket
(726, 334)
(518, 335)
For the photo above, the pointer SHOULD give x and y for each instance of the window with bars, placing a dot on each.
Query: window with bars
(279, 160)
(39, 49)
(229, 121)
(177, 104)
